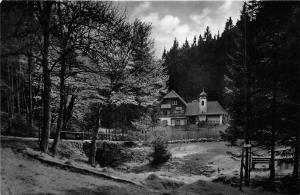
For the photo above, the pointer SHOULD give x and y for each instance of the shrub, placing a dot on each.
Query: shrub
(129, 144)
(65, 150)
(160, 153)
(202, 123)
(229, 136)
(109, 154)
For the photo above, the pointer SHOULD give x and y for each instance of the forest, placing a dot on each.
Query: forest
(253, 69)
(82, 65)
(65, 64)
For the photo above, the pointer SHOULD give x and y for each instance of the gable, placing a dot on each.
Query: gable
(172, 95)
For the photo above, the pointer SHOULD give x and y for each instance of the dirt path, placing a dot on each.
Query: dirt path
(23, 175)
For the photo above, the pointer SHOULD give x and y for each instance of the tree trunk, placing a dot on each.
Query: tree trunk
(247, 125)
(45, 14)
(296, 171)
(30, 118)
(10, 101)
(247, 176)
(247, 99)
(273, 138)
(61, 106)
(298, 162)
(296, 156)
(18, 90)
(93, 147)
(12, 94)
(296, 168)
(68, 112)
(8, 112)
(298, 146)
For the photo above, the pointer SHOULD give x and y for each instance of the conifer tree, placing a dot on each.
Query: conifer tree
(194, 44)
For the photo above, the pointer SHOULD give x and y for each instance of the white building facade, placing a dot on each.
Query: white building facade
(174, 111)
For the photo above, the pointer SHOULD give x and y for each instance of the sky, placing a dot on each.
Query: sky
(181, 19)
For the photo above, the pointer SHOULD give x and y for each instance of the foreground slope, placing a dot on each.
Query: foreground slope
(21, 174)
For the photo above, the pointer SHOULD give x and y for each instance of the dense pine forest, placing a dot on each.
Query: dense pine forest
(253, 69)
(201, 64)
(82, 65)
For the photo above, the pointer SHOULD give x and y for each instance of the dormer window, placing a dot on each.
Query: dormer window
(202, 103)
(174, 102)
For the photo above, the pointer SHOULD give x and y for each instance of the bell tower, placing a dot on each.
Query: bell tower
(203, 102)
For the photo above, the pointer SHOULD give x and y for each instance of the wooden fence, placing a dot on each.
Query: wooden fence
(169, 133)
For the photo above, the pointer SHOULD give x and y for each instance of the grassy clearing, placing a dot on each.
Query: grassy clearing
(187, 132)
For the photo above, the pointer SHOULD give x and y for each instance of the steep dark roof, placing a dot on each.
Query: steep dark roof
(213, 107)
(192, 108)
(203, 93)
(173, 94)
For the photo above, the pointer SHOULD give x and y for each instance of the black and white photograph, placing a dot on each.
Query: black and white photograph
(128, 97)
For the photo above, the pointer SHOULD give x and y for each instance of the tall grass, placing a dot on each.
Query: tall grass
(187, 132)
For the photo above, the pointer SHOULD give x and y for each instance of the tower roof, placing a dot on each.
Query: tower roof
(203, 93)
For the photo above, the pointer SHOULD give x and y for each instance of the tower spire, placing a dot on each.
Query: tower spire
(203, 102)
(203, 93)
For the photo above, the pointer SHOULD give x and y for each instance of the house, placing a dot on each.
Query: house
(175, 111)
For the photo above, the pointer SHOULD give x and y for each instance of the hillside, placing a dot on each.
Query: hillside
(21, 174)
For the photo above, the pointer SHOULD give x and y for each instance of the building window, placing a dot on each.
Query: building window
(164, 106)
(173, 122)
(174, 102)
(202, 103)
(179, 110)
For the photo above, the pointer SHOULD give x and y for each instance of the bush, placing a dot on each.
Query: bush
(202, 124)
(229, 136)
(129, 144)
(109, 154)
(160, 153)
